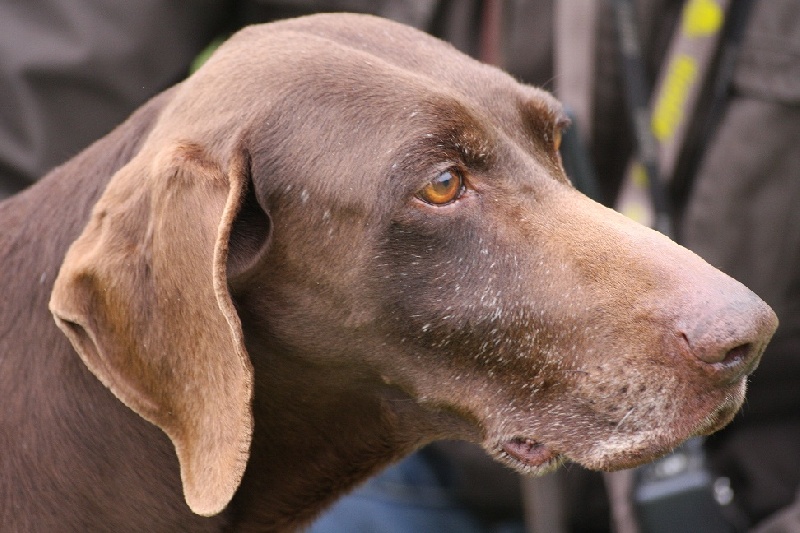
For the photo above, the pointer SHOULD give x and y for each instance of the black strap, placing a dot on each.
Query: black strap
(704, 125)
(637, 96)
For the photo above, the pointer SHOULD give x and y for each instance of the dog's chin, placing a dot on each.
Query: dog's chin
(527, 456)
(531, 456)
(663, 444)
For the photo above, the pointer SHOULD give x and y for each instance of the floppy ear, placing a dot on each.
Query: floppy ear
(142, 295)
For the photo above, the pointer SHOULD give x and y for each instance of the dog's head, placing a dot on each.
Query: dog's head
(371, 198)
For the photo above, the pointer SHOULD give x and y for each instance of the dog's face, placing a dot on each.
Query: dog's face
(400, 208)
(487, 282)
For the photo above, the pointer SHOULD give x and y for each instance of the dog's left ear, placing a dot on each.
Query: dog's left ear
(143, 297)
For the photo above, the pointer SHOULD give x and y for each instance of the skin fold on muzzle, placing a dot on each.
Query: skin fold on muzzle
(327, 254)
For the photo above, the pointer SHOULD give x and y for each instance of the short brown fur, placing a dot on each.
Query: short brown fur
(257, 312)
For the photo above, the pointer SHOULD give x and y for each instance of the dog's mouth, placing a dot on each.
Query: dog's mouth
(630, 442)
(531, 456)
(528, 456)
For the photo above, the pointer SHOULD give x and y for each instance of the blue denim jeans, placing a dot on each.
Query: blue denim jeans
(412, 496)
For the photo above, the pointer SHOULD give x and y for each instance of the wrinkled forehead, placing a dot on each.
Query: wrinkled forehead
(399, 45)
(359, 54)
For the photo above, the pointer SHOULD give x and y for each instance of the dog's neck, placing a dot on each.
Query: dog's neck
(322, 430)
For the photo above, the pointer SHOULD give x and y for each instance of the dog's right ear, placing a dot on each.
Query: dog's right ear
(143, 297)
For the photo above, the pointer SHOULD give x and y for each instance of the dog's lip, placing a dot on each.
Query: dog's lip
(529, 455)
(723, 414)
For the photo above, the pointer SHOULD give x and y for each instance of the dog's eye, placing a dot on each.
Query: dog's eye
(558, 133)
(446, 188)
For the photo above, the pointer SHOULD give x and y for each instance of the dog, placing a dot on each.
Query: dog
(339, 240)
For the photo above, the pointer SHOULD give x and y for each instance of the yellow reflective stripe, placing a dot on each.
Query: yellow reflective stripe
(701, 17)
(669, 109)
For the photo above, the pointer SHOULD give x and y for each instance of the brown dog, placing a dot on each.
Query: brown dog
(339, 240)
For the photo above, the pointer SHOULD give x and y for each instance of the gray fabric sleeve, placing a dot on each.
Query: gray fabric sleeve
(71, 71)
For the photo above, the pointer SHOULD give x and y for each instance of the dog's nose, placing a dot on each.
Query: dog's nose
(732, 336)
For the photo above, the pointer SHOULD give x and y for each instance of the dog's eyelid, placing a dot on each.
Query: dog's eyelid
(558, 125)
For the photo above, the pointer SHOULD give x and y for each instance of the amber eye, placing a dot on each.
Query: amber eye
(558, 133)
(446, 188)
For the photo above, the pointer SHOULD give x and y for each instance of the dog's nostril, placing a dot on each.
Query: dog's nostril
(717, 350)
(737, 355)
